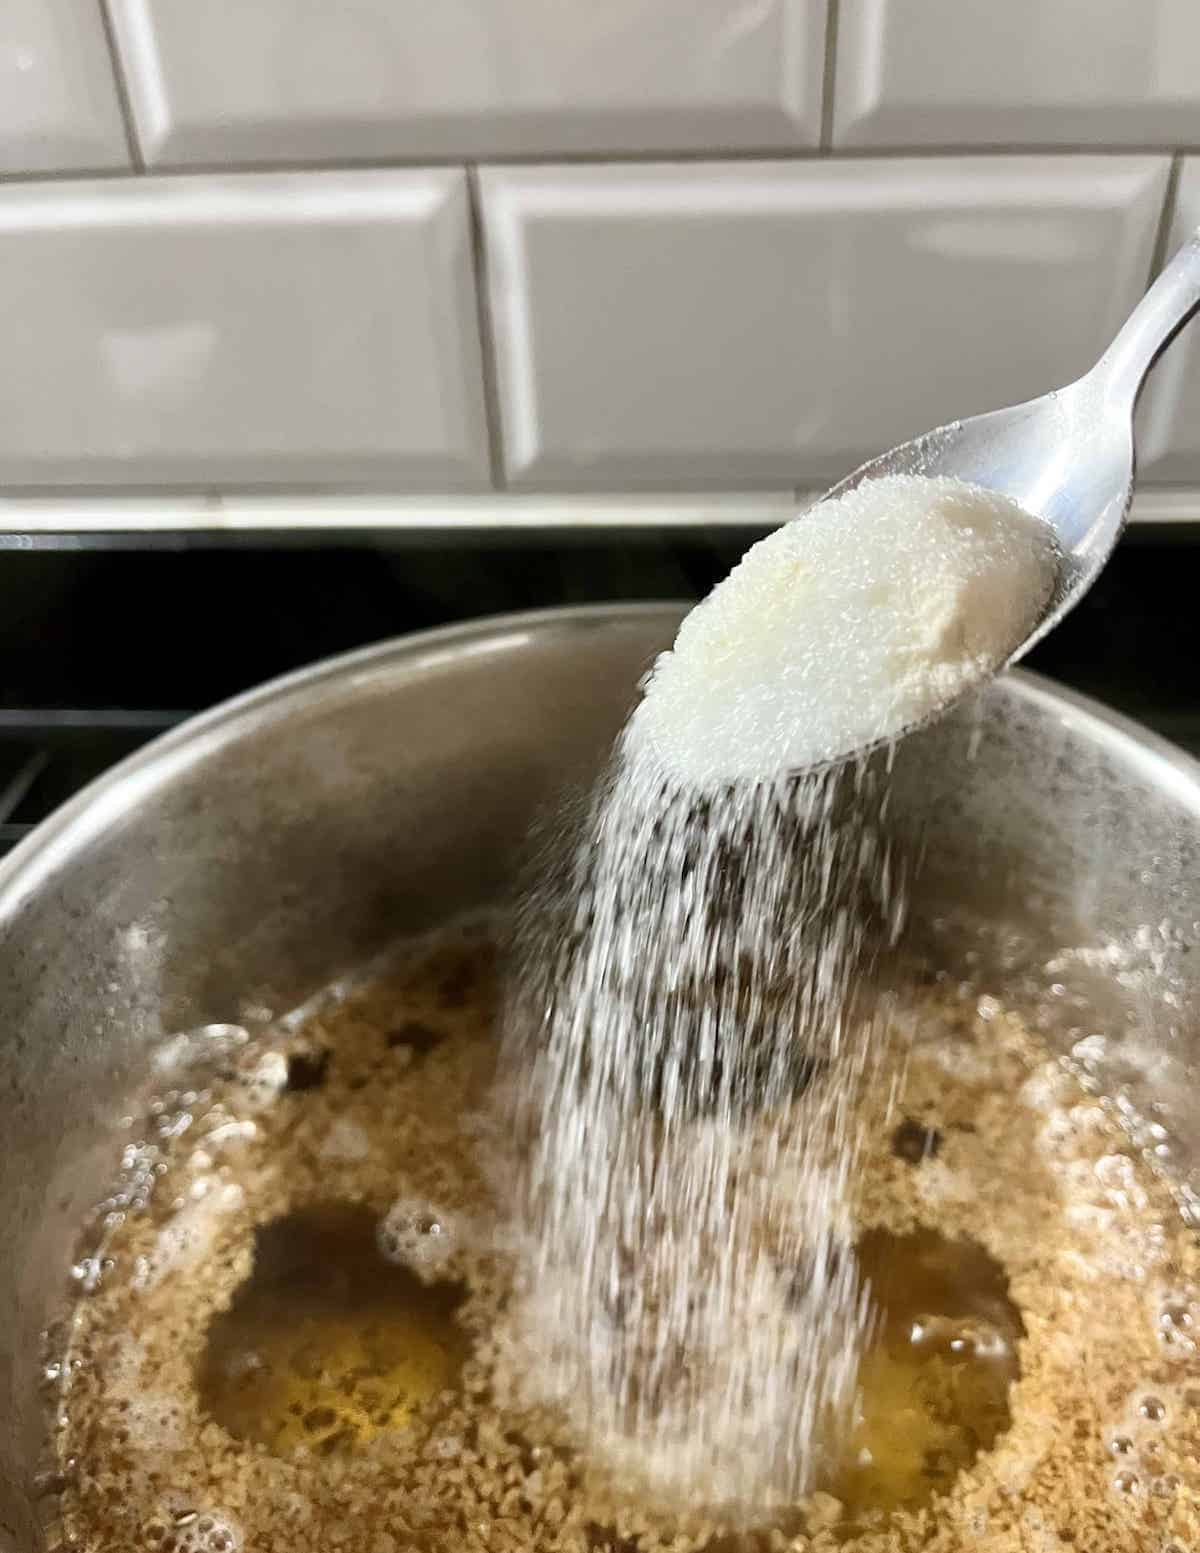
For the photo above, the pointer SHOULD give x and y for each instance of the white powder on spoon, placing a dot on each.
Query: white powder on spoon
(865, 615)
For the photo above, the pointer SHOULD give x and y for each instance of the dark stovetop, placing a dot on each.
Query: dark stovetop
(105, 643)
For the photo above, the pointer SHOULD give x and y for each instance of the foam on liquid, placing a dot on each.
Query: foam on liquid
(230, 1403)
(864, 615)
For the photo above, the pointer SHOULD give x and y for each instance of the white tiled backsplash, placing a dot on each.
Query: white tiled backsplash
(437, 246)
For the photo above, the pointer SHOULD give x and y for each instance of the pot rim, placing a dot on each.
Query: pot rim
(112, 794)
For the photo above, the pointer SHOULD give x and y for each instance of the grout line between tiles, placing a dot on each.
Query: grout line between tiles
(829, 75)
(246, 513)
(487, 336)
(123, 98)
(201, 502)
(777, 155)
(1166, 217)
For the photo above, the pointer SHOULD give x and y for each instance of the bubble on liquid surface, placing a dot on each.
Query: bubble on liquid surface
(1179, 1321)
(204, 1531)
(205, 1044)
(327, 1344)
(189, 1234)
(416, 1232)
(263, 1081)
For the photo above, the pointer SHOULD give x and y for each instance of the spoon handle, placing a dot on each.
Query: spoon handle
(1165, 308)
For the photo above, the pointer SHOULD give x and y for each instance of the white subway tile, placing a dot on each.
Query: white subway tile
(59, 110)
(1168, 422)
(266, 328)
(1017, 73)
(274, 81)
(741, 323)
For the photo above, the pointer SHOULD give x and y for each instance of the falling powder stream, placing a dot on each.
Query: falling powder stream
(683, 1044)
(688, 1035)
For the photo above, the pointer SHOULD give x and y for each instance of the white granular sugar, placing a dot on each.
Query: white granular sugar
(683, 998)
(863, 616)
(688, 990)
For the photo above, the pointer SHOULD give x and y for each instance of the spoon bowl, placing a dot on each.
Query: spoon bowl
(1067, 457)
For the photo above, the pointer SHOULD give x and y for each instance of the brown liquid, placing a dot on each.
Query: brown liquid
(327, 1344)
(935, 1383)
(282, 1385)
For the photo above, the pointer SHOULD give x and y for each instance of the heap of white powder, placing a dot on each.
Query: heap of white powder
(860, 618)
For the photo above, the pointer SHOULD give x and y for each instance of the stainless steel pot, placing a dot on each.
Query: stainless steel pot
(253, 854)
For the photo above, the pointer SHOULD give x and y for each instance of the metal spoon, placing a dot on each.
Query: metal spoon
(1067, 457)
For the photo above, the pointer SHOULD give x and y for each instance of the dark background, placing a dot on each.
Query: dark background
(105, 641)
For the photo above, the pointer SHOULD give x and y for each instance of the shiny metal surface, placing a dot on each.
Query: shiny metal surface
(1067, 457)
(260, 850)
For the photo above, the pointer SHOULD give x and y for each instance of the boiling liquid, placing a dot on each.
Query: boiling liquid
(328, 1345)
(251, 1368)
(935, 1382)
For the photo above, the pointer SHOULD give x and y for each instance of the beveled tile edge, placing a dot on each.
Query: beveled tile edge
(167, 198)
(1154, 409)
(137, 162)
(452, 213)
(143, 101)
(234, 512)
(515, 377)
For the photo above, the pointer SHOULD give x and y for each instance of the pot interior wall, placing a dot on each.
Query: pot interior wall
(257, 854)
